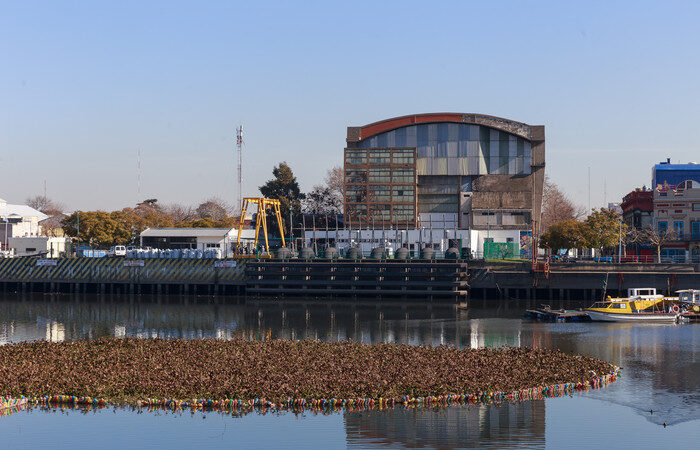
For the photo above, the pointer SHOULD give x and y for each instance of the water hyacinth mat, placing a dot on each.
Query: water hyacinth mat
(239, 375)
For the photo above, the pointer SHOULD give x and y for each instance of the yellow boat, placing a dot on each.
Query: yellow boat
(641, 304)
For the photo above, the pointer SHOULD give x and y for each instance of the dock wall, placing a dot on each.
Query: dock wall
(367, 279)
(119, 275)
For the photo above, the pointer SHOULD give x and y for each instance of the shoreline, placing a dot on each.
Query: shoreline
(285, 375)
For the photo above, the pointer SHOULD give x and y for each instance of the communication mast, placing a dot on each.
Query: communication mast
(239, 146)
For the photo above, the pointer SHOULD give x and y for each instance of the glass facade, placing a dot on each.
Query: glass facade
(458, 149)
(448, 157)
(380, 186)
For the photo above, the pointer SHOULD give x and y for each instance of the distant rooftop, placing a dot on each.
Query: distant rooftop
(187, 232)
(8, 209)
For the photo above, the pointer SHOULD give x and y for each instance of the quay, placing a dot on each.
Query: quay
(449, 280)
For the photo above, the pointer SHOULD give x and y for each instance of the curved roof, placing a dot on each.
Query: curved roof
(510, 126)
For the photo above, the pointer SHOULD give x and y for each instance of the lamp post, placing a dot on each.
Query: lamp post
(7, 224)
(619, 255)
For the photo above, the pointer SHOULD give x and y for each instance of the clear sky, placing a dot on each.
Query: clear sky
(85, 85)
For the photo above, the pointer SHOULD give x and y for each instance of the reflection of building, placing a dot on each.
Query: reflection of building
(55, 332)
(510, 425)
(470, 172)
(677, 211)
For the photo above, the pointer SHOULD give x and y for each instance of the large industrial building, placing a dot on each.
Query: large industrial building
(479, 176)
(442, 179)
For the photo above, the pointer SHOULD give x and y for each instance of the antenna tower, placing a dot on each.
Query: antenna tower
(138, 176)
(239, 146)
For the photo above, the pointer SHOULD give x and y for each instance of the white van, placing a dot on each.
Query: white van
(118, 250)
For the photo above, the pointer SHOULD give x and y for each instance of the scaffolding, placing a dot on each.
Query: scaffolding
(260, 220)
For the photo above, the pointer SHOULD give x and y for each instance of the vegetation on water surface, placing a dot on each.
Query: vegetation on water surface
(126, 370)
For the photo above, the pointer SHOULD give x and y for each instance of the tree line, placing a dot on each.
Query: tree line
(123, 227)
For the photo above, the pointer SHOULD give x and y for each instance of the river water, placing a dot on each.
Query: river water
(660, 373)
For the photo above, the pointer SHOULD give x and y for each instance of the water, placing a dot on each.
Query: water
(661, 372)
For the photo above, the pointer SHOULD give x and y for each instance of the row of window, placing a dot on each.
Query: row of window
(678, 229)
(380, 175)
(379, 156)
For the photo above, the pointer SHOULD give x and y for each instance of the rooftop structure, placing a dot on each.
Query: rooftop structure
(669, 174)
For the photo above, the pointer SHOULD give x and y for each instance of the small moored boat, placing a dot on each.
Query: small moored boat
(641, 304)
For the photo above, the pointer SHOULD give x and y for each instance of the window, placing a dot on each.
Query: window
(663, 226)
(695, 231)
(678, 228)
(696, 206)
(213, 245)
(31, 249)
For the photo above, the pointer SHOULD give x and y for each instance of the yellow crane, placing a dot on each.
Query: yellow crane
(263, 204)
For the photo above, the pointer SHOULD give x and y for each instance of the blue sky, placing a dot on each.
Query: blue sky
(85, 85)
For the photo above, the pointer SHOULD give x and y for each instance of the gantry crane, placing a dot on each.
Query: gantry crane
(263, 204)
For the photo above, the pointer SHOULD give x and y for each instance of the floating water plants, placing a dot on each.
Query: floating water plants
(282, 374)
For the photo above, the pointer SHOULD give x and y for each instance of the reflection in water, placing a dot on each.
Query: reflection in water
(508, 425)
(661, 363)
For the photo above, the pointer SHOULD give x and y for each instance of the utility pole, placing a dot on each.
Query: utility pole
(239, 146)
(589, 189)
(138, 176)
(619, 256)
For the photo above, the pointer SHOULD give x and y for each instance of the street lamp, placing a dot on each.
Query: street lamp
(619, 254)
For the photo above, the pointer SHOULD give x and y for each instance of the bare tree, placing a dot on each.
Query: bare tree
(45, 205)
(326, 198)
(213, 208)
(334, 181)
(321, 201)
(656, 238)
(180, 213)
(557, 207)
(50, 226)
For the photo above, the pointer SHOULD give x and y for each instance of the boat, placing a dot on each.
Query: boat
(691, 300)
(640, 305)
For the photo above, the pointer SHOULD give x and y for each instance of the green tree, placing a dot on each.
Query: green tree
(566, 234)
(602, 229)
(285, 188)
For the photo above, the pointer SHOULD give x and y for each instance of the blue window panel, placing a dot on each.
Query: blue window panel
(512, 148)
(432, 133)
(443, 132)
(662, 227)
(463, 149)
(411, 140)
(466, 184)
(441, 149)
(695, 231)
(400, 137)
(464, 132)
(678, 228)
(422, 135)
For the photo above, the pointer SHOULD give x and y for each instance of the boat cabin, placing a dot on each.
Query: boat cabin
(689, 296)
(643, 293)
